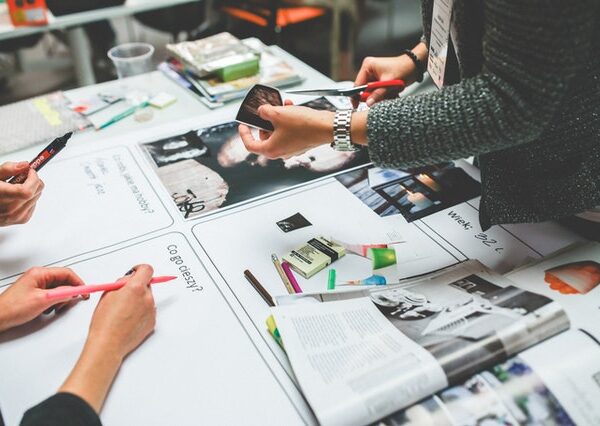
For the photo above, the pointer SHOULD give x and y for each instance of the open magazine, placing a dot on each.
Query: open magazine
(362, 355)
(554, 383)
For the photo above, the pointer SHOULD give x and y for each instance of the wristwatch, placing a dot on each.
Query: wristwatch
(341, 131)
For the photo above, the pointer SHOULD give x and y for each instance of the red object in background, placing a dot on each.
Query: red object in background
(28, 12)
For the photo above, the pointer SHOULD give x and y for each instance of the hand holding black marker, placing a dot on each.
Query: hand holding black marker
(43, 157)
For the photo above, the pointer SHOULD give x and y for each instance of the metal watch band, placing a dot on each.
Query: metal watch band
(341, 131)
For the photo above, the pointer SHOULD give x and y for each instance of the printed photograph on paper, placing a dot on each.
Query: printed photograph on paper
(414, 193)
(470, 323)
(209, 168)
(510, 394)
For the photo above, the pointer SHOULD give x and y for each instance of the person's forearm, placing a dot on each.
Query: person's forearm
(93, 374)
(358, 128)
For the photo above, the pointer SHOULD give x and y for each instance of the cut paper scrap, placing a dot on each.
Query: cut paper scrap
(372, 280)
(362, 249)
(574, 278)
(382, 257)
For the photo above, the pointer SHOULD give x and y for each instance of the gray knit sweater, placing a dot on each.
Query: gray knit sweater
(526, 102)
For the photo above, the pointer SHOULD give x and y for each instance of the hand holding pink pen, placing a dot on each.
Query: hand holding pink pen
(64, 292)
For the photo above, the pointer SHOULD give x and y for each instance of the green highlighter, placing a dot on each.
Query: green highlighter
(331, 280)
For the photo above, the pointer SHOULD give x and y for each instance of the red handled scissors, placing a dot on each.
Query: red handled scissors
(360, 92)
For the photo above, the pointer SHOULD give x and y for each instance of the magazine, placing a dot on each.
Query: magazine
(365, 354)
(549, 384)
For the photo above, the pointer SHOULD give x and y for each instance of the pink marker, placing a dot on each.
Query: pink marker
(290, 275)
(63, 293)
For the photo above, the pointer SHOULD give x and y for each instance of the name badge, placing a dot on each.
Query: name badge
(438, 43)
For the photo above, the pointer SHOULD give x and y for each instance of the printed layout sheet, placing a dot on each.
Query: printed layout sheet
(91, 201)
(107, 206)
(197, 365)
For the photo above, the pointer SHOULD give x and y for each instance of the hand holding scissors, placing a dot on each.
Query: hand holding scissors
(361, 93)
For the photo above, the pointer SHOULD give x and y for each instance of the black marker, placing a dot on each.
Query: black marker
(43, 157)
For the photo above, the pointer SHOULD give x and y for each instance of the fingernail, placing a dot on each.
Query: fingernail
(130, 272)
(370, 102)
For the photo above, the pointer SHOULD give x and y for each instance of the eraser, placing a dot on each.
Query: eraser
(314, 256)
(162, 100)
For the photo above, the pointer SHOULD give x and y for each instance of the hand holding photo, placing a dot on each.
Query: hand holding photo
(257, 96)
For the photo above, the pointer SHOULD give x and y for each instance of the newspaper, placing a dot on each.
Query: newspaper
(365, 354)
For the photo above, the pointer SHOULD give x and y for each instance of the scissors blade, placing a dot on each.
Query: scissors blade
(317, 92)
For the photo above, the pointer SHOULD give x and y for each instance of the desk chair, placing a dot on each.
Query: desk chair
(272, 15)
(193, 19)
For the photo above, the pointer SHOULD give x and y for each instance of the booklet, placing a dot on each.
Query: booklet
(361, 355)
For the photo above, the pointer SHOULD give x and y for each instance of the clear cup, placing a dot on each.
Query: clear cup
(132, 58)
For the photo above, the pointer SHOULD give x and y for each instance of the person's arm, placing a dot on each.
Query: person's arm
(532, 52)
(530, 59)
(26, 298)
(122, 320)
(17, 201)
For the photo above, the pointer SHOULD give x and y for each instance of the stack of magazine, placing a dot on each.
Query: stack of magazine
(461, 346)
(198, 73)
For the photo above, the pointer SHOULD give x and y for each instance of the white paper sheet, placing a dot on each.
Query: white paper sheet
(352, 363)
(90, 202)
(199, 366)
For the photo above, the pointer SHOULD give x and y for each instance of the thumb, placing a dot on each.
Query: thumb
(10, 169)
(267, 112)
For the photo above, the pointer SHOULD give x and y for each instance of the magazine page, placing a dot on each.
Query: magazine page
(554, 383)
(468, 317)
(352, 364)
(572, 278)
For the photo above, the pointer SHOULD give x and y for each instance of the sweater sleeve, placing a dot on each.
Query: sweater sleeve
(532, 51)
(62, 409)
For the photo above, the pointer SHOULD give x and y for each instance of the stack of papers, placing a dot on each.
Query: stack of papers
(274, 71)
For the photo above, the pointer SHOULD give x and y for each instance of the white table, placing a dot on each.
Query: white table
(187, 108)
(73, 24)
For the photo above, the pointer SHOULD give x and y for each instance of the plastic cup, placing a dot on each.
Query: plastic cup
(132, 58)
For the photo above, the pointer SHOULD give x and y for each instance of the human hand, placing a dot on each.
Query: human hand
(17, 201)
(297, 129)
(382, 69)
(124, 317)
(26, 298)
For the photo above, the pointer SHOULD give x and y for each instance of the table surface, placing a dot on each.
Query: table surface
(188, 111)
(8, 31)
(187, 108)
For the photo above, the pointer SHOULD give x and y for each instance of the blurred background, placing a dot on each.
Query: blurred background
(333, 36)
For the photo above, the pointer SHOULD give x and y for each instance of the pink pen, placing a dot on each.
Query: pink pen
(63, 293)
(290, 275)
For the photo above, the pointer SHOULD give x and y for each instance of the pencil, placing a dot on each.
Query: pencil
(288, 273)
(284, 278)
(259, 288)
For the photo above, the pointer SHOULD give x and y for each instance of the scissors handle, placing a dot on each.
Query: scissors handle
(381, 84)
